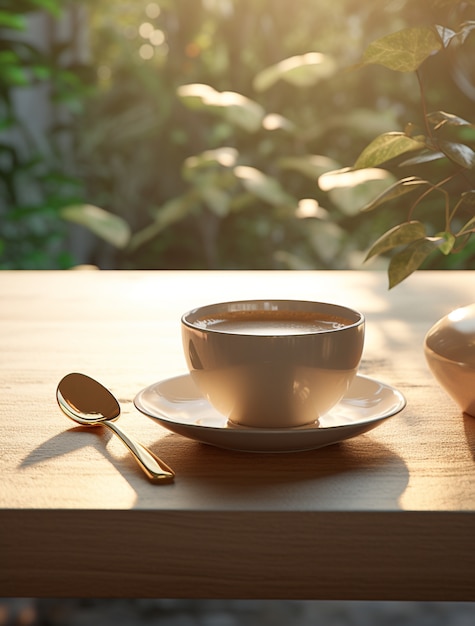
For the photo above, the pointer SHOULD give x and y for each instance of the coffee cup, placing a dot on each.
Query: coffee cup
(273, 363)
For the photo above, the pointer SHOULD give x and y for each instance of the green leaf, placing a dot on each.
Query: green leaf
(350, 190)
(458, 153)
(420, 159)
(405, 50)
(108, 226)
(53, 6)
(441, 118)
(264, 187)
(276, 122)
(348, 177)
(465, 30)
(310, 165)
(12, 20)
(386, 147)
(216, 199)
(42, 72)
(404, 263)
(234, 107)
(13, 75)
(398, 189)
(169, 213)
(220, 157)
(400, 235)
(447, 245)
(301, 71)
(326, 238)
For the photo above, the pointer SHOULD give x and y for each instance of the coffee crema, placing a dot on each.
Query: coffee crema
(267, 322)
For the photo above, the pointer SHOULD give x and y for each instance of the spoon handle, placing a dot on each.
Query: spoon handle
(155, 468)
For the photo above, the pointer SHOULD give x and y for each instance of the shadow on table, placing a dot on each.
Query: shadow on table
(356, 473)
(469, 427)
(63, 444)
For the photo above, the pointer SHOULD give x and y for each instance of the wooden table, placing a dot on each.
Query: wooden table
(386, 515)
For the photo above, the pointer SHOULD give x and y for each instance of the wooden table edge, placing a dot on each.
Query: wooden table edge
(322, 555)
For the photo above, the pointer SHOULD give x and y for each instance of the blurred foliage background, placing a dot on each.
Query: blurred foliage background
(174, 131)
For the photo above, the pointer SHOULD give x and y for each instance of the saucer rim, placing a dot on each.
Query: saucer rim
(271, 441)
(237, 428)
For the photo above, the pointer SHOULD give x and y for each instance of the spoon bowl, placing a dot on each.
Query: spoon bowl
(87, 402)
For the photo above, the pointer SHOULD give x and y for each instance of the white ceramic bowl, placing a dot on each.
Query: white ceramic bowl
(449, 348)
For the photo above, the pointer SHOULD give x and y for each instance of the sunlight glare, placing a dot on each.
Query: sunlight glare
(152, 10)
(146, 30)
(457, 315)
(157, 38)
(146, 51)
(251, 174)
(225, 7)
(274, 121)
(309, 207)
(347, 177)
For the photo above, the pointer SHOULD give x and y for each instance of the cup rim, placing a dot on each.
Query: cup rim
(189, 318)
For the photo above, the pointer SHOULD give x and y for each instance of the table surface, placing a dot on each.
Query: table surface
(386, 515)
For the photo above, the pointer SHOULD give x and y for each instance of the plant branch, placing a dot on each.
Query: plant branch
(436, 187)
(424, 104)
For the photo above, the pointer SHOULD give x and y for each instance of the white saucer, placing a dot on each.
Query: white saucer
(177, 405)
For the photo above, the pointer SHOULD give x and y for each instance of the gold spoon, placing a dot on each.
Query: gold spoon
(89, 403)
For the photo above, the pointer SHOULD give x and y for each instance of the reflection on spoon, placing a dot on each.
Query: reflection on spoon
(88, 403)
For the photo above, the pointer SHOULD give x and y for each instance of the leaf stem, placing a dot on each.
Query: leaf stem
(424, 104)
(436, 187)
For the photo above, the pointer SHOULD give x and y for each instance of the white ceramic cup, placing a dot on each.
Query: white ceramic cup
(273, 363)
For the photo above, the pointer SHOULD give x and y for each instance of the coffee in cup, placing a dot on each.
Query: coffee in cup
(273, 363)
